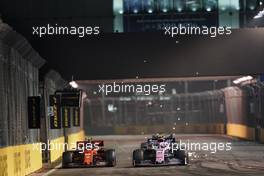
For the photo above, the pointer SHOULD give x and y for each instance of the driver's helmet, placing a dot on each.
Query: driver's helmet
(163, 144)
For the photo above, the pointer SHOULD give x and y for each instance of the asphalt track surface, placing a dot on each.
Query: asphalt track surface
(245, 158)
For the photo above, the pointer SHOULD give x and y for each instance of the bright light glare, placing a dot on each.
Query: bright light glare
(223, 8)
(208, 9)
(164, 10)
(251, 7)
(73, 84)
(121, 11)
(242, 79)
(194, 9)
(179, 9)
(259, 15)
(135, 10)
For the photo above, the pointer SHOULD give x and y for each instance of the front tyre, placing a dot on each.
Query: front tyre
(138, 156)
(110, 157)
(66, 158)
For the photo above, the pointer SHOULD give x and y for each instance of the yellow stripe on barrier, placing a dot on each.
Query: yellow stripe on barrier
(73, 138)
(56, 148)
(241, 131)
(20, 160)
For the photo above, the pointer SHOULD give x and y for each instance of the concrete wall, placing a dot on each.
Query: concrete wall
(243, 114)
(20, 152)
(19, 65)
(59, 147)
(20, 160)
(241, 131)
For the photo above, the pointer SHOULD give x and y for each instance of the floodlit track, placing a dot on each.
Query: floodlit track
(245, 158)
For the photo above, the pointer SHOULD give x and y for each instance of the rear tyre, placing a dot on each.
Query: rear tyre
(66, 158)
(138, 157)
(110, 157)
(182, 156)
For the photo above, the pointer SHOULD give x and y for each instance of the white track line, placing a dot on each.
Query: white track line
(52, 170)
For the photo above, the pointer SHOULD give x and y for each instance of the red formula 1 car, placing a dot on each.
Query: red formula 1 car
(88, 154)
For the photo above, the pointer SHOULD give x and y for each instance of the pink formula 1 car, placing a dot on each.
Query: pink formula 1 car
(158, 151)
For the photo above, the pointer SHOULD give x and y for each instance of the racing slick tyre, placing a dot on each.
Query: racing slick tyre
(66, 158)
(138, 156)
(182, 156)
(110, 157)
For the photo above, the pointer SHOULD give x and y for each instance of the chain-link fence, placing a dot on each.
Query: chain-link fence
(231, 105)
(19, 79)
(180, 109)
(19, 65)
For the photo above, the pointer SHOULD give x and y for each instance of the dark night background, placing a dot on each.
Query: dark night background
(128, 55)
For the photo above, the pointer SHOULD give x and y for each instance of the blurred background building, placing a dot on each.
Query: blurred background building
(131, 15)
(152, 15)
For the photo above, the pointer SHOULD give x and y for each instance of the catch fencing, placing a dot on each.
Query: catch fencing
(19, 65)
(235, 110)
(167, 110)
